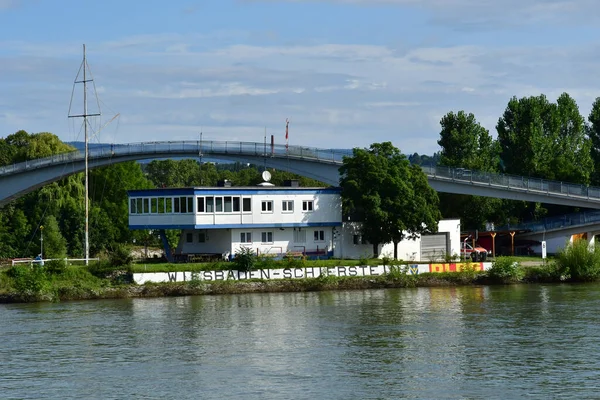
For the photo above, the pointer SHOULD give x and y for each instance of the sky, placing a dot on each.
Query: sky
(346, 73)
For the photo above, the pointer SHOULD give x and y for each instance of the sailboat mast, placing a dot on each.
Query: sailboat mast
(85, 116)
(85, 130)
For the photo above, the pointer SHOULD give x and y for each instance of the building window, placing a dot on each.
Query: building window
(236, 204)
(299, 236)
(267, 206)
(210, 205)
(200, 202)
(132, 203)
(307, 205)
(319, 236)
(146, 206)
(246, 237)
(176, 205)
(287, 206)
(184, 205)
(227, 205)
(218, 204)
(154, 205)
(266, 237)
(201, 237)
(189, 237)
(168, 205)
(161, 205)
(246, 204)
(138, 208)
(190, 204)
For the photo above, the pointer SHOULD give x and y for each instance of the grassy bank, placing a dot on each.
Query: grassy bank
(58, 282)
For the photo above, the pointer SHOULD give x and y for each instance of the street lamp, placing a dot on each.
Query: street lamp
(42, 242)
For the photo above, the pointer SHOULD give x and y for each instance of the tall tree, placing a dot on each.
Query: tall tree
(382, 191)
(594, 135)
(545, 140)
(55, 245)
(467, 144)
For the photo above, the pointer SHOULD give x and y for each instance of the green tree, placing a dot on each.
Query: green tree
(594, 135)
(381, 190)
(545, 140)
(466, 144)
(55, 245)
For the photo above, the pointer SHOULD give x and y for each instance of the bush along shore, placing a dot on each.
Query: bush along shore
(113, 278)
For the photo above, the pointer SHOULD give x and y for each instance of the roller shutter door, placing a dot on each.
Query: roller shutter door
(435, 247)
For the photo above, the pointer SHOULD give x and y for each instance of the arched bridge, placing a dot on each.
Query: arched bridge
(321, 164)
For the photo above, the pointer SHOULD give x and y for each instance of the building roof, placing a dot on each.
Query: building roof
(233, 190)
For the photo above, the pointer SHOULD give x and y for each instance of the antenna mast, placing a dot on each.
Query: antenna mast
(85, 115)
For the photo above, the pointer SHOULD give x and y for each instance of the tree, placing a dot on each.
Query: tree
(545, 140)
(593, 130)
(466, 144)
(381, 190)
(55, 245)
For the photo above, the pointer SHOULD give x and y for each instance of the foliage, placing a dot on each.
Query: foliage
(391, 198)
(546, 140)
(120, 255)
(28, 280)
(505, 270)
(293, 261)
(363, 260)
(55, 245)
(55, 267)
(579, 262)
(593, 131)
(466, 144)
(245, 259)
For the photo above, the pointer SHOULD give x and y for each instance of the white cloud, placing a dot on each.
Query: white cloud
(337, 95)
(489, 14)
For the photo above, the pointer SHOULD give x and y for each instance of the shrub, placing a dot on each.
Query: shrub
(363, 260)
(579, 262)
(28, 281)
(55, 267)
(119, 255)
(106, 270)
(244, 259)
(266, 261)
(505, 270)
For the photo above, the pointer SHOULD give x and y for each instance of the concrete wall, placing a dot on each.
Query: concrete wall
(453, 227)
(408, 250)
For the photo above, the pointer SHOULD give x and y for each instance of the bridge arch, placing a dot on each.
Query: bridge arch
(321, 164)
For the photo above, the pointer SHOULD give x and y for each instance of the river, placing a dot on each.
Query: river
(535, 341)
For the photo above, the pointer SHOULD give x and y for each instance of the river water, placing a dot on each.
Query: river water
(520, 341)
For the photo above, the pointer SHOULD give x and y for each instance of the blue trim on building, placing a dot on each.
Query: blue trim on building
(239, 226)
(218, 191)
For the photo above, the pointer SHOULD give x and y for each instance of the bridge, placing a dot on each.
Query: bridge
(321, 164)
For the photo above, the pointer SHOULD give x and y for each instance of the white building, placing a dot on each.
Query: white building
(218, 221)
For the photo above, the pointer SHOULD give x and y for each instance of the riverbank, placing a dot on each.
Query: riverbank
(78, 283)
(194, 288)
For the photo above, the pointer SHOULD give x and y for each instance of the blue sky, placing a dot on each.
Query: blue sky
(346, 72)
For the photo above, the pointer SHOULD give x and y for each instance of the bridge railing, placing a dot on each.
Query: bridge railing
(550, 223)
(513, 182)
(197, 147)
(215, 148)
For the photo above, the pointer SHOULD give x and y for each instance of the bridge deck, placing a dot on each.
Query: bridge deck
(473, 182)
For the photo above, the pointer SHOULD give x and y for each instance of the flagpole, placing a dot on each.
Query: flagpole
(287, 123)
